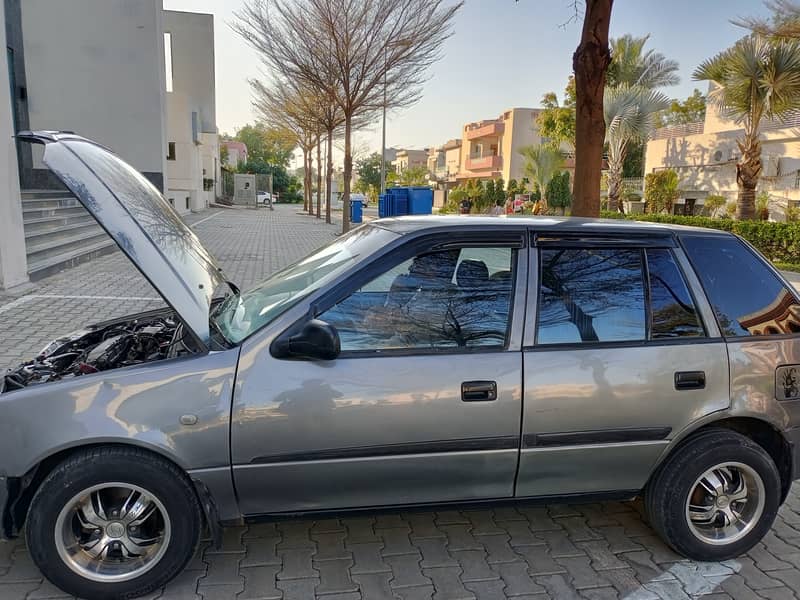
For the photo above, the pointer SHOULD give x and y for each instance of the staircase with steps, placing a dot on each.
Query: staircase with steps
(59, 232)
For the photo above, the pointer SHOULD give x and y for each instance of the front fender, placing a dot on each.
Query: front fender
(179, 408)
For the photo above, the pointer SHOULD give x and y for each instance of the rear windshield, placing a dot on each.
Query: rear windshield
(747, 297)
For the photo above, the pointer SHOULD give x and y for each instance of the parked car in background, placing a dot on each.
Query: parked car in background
(414, 361)
(264, 198)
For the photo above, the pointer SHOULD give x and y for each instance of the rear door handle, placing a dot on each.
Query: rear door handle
(479, 391)
(690, 380)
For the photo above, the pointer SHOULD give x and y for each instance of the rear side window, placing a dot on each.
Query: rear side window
(747, 297)
(591, 295)
(672, 311)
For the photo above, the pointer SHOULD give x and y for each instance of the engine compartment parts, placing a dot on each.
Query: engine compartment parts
(129, 341)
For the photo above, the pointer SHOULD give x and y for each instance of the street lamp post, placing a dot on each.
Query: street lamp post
(383, 135)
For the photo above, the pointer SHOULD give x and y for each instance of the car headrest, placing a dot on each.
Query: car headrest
(472, 273)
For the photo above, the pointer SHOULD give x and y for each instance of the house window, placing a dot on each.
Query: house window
(170, 150)
(168, 59)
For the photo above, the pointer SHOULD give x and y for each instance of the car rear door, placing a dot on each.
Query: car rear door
(423, 404)
(620, 355)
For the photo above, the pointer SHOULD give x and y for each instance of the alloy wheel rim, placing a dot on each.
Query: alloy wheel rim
(112, 532)
(725, 503)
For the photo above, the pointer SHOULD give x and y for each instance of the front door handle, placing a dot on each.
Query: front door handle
(479, 391)
(690, 380)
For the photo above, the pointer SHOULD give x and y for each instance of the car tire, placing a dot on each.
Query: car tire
(113, 497)
(693, 500)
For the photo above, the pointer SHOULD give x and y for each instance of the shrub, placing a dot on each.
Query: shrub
(713, 203)
(661, 190)
(776, 241)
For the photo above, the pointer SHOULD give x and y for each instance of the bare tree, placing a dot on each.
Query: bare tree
(362, 53)
(286, 106)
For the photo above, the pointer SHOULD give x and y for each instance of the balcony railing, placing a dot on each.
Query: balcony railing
(485, 162)
(488, 130)
(665, 133)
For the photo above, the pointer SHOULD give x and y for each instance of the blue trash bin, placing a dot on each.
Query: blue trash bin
(356, 214)
(383, 206)
(420, 201)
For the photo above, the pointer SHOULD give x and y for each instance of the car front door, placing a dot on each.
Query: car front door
(620, 358)
(422, 405)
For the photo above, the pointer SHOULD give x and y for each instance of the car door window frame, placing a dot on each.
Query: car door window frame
(636, 241)
(430, 241)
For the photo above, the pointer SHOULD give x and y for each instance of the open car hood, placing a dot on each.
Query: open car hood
(142, 223)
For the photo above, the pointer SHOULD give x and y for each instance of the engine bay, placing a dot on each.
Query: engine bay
(132, 340)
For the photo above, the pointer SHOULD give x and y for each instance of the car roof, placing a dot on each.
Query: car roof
(408, 224)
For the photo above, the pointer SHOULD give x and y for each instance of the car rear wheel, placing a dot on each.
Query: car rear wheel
(715, 497)
(113, 523)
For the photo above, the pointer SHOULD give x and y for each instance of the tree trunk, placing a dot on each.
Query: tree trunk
(319, 176)
(348, 171)
(306, 191)
(614, 185)
(748, 172)
(329, 177)
(590, 63)
(311, 178)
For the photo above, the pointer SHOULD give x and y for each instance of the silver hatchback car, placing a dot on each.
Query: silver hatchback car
(412, 362)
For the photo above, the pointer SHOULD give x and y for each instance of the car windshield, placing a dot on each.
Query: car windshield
(241, 314)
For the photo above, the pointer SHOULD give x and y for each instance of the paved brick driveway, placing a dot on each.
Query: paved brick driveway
(594, 551)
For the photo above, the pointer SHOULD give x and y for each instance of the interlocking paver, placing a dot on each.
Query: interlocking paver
(560, 544)
(298, 589)
(580, 573)
(367, 558)
(334, 576)
(594, 551)
(261, 551)
(448, 584)
(296, 564)
(498, 549)
(539, 560)
(330, 546)
(396, 542)
(222, 569)
(423, 524)
(260, 583)
(517, 579)
(434, 553)
(406, 571)
(374, 586)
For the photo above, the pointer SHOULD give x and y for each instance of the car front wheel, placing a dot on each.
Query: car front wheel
(715, 497)
(113, 523)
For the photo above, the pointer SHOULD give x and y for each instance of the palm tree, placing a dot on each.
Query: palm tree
(783, 23)
(632, 65)
(630, 113)
(755, 79)
(541, 164)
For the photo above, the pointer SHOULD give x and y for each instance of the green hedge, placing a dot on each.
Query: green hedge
(780, 242)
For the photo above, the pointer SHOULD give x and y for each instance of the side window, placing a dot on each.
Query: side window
(591, 295)
(748, 299)
(672, 311)
(440, 300)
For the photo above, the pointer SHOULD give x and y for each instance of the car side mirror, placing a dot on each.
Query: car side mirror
(316, 340)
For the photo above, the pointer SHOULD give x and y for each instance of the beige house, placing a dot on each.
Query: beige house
(408, 159)
(490, 148)
(704, 155)
(444, 161)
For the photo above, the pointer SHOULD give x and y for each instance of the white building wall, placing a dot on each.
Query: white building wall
(96, 67)
(191, 110)
(13, 265)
